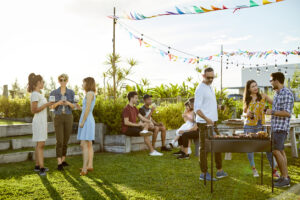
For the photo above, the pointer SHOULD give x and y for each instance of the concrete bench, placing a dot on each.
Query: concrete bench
(126, 144)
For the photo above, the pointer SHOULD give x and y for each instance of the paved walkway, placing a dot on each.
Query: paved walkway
(285, 195)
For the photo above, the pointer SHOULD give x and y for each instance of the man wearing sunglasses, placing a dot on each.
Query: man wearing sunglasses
(281, 112)
(206, 110)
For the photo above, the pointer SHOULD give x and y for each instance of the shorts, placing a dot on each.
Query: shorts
(279, 138)
(133, 131)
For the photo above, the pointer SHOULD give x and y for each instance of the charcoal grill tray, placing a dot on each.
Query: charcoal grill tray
(238, 145)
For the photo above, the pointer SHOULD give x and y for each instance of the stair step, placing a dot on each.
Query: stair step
(28, 153)
(15, 143)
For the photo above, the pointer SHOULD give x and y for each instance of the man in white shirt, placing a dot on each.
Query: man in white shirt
(206, 110)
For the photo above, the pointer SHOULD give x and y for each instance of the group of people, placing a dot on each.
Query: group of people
(201, 111)
(63, 121)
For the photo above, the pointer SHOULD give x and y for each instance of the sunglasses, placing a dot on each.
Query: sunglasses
(210, 78)
(62, 80)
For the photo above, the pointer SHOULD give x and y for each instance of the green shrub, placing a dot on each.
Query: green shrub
(170, 115)
(297, 109)
(15, 108)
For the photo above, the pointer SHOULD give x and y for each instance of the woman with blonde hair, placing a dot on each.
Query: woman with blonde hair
(39, 106)
(86, 130)
(63, 120)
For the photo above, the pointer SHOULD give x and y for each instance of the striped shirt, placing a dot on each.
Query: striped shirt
(283, 101)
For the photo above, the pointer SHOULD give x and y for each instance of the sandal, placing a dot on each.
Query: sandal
(88, 169)
(82, 173)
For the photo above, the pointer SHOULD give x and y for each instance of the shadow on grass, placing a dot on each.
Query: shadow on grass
(112, 192)
(52, 191)
(85, 190)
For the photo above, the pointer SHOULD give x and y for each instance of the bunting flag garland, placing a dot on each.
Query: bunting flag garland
(193, 10)
(192, 59)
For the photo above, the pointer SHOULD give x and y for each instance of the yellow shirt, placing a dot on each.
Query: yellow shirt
(258, 108)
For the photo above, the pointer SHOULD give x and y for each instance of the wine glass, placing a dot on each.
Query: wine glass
(52, 99)
(64, 99)
(76, 100)
(153, 105)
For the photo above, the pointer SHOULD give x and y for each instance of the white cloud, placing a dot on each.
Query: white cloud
(288, 39)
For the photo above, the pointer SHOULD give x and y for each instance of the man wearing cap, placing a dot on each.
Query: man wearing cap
(146, 111)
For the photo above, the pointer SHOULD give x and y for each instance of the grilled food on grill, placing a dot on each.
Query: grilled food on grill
(258, 135)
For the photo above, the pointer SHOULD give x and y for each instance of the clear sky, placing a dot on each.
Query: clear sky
(50, 37)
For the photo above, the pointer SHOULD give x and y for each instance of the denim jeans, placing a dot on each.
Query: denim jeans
(255, 129)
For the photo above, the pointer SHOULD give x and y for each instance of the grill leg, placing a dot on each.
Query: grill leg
(211, 167)
(272, 163)
(262, 167)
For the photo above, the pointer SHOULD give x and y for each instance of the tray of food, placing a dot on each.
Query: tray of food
(261, 135)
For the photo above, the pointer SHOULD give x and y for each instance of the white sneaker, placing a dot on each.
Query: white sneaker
(145, 133)
(176, 144)
(255, 173)
(155, 153)
(189, 151)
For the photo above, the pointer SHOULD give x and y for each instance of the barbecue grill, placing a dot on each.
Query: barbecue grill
(237, 144)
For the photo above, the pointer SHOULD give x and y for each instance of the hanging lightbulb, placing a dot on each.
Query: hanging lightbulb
(237, 65)
(279, 70)
(226, 67)
(243, 66)
(286, 60)
(267, 69)
(285, 73)
(275, 66)
(169, 49)
(250, 69)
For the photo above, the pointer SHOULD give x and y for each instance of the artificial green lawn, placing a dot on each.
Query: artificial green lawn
(139, 176)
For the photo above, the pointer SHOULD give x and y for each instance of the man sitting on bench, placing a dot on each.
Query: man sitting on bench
(130, 127)
(146, 111)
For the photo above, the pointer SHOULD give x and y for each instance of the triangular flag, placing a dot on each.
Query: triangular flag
(252, 3)
(179, 11)
(198, 10)
(170, 56)
(205, 10)
(224, 7)
(266, 2)
(279, 0)
(215, 8)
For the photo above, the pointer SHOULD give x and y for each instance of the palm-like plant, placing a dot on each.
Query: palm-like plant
(118, 74)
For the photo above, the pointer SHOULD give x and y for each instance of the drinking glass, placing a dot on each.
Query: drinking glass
(52, 99)
(63, 98)
(76, 100)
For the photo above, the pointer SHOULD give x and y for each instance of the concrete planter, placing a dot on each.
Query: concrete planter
(125, 144)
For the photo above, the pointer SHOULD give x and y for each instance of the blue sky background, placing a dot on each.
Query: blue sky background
(74, 36)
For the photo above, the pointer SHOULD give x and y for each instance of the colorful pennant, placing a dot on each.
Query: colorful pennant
(196, 59)
(192, 10)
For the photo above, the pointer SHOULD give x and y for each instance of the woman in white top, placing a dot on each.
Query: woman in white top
(39, 106)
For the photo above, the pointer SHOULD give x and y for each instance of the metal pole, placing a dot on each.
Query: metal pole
(114, 53)
(221, 68)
